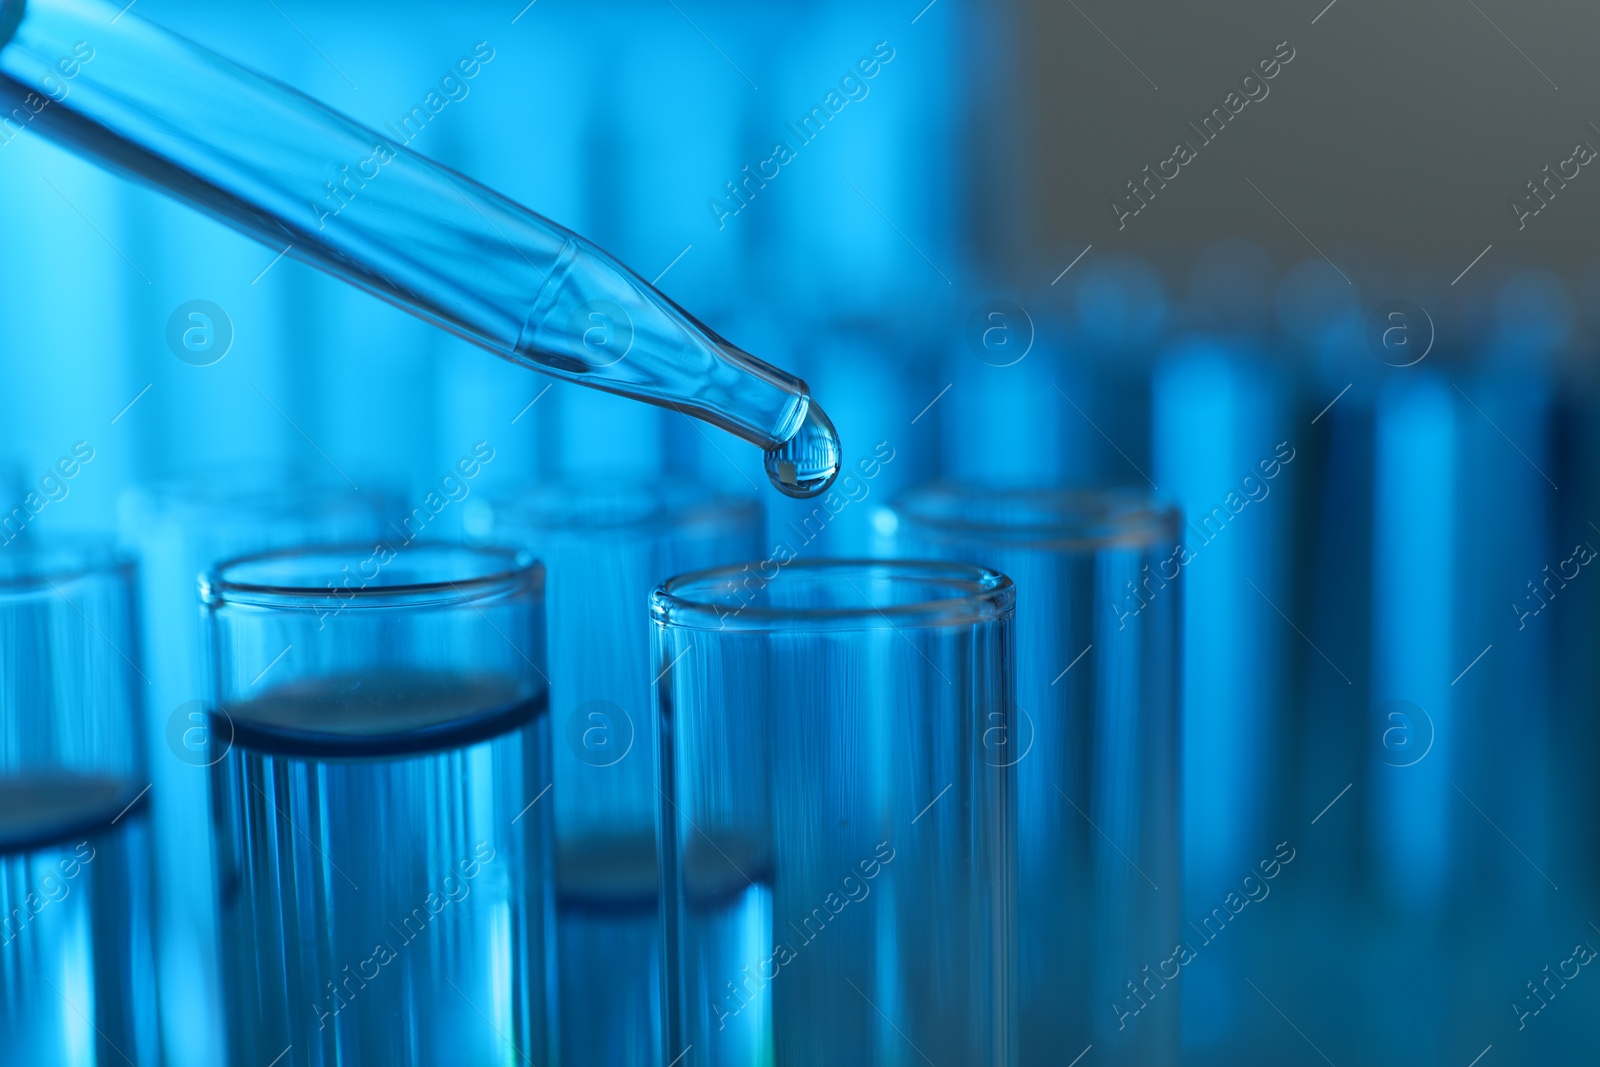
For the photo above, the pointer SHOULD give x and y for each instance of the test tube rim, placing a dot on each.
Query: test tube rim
(60, 563)
(519, 573)
(684, 503)
(249, 488)
(984, 595)
(1088, 520)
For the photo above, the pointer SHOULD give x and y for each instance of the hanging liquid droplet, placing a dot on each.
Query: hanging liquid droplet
(807, 464)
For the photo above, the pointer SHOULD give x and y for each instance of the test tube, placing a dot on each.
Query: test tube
(606, 546)
(1119, 311)
(1099, 589)
(1221, 417)
(1321, 333)
(1509, 696)
(1003, 418)
(77, 981)
(881, 383)
(837, 823)
(178, 529)
(381, 845)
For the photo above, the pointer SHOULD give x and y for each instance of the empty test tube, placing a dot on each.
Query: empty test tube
(606, 546)
(837, 820)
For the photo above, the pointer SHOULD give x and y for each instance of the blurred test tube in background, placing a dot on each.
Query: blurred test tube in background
(880, 387)
(1119, 310)
(605, 546)
(1224, 452)
(1527, 573)
(77, 979)
(1577, 465)
(1415, 608)
(1003, 421)
(178, 529)
(1097, 748)
(1320, 335)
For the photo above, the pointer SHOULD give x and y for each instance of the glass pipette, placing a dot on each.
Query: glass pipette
(302, 178)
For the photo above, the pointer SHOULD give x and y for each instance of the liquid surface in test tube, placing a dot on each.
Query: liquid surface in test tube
(73, 866)
(608, 928)
(377, 715)
(807, 464)
(728, 917)
(419, 904)
(37, 809)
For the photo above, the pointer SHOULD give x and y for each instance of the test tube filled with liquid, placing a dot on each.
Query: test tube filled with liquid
(382, 849)
(606, 546)
(178, 529)
(77, 977)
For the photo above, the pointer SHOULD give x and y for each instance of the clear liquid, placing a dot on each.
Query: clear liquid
(771, 965)
(605, 547)
(609, 945)
(383, 862)
(726, 937)
(807, 464)
(182, 528)
(1094, 764)
(77, 976)
(819, 910)
(767, 960)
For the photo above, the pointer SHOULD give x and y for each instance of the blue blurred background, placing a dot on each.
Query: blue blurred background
(1390, 638)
